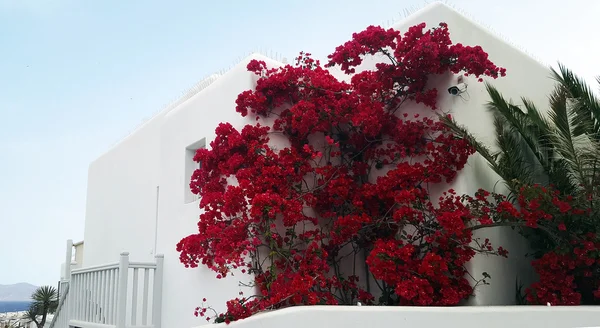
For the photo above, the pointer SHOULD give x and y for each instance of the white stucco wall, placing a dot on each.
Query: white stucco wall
(122, 212)
(190, 124)
(79, 249)
(76, 259)
(122, 194)
(121, 198)
(525, 77)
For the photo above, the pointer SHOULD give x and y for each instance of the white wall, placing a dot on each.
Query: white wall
(122, 185)
(121, 198)
(191, 123)
(76, 260)
(525, 77)
(122, 194)
(78, 255)
(409, 317)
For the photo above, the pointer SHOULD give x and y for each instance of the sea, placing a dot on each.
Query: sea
(8, 306)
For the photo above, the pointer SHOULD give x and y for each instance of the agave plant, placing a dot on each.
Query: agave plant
(559, 146)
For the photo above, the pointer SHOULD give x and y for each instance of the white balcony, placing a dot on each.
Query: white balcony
(116, 295)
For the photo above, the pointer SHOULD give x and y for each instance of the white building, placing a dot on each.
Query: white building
(138, 201)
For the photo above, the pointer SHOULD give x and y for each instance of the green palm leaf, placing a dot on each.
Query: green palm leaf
(585, 105)
(560, 148)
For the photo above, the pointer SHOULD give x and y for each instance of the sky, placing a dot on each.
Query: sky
(76, 76)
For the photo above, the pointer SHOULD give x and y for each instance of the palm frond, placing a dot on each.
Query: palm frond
(559, 176)
(532, 128)
(461, 132)
(584, 104)
(579, 151)
(536, 116)
(45, 294)
(515, 165)
(561, 148)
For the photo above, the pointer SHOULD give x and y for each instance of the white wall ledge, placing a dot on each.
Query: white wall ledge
(405, 316)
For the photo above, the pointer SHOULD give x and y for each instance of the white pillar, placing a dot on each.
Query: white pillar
(157, 292)
(68, 259)
(122, 290)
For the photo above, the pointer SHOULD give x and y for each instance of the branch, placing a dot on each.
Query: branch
(514, 224)
(496, 224)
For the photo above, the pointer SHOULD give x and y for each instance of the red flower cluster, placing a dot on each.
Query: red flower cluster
(427, 265)
(349, 189)
(569, 273)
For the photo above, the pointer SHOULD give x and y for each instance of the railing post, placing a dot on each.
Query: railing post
(122, 290)
(157, 292)
(68, 259)
(67, 273)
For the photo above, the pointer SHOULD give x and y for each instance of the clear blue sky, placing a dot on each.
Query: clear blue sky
(76, 76)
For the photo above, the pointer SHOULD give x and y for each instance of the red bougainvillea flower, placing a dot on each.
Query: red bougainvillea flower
(349, 189)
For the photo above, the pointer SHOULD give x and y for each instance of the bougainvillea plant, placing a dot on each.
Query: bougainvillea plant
(339, 210)
(569, 271)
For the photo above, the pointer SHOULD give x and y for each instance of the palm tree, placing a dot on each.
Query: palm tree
(561, 148)
(558, 147)
(45, 301)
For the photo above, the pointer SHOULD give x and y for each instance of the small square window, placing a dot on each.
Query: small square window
(190, 167)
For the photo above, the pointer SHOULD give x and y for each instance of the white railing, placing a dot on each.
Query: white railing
(124, 294)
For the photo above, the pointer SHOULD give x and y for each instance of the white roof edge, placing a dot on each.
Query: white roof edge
(197, 88)
(427, 7)
(447, 5)
(411, 12)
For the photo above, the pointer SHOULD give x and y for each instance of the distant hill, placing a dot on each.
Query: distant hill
(16, 292)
